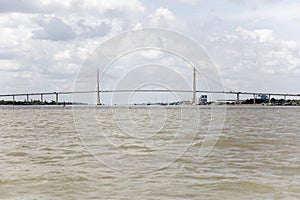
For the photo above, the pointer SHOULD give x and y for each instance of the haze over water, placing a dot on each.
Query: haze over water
(43, 156)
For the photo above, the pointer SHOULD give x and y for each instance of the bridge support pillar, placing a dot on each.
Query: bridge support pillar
(238, 98)
(98, 98)
(284, 97)
(56, 98)
(27, 98)
(253, 98)
(13, 99)
(42, 99)
(269, 98)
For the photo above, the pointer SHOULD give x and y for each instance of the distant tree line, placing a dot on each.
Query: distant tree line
(34, 102)
(272, 101)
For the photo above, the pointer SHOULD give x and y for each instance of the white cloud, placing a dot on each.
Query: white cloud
(190, 1)
(253, 56)
(9, 65)
(150, 54)
(58, 6)
(273, 10)
(262, 35)
(97, 30)
(64, 68)
(254, 1)
(43, 43)
(130, 5)
(23, 75)
(163, 17)
(138, 25)
(54, 29)
(62, 55)
(15, 31)
(28, 6)
(47, 41)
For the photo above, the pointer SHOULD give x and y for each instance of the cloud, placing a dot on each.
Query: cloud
(9, 65)
(6, 55)
(44, 42)
(58, 6)
(54, 29)
(163, 17)
(253, 2)
(23, 6)
(262, 35)
(130, 5)
(98, 30)
(252, 56)
(190, 1)
(264, 10)
(258, 48)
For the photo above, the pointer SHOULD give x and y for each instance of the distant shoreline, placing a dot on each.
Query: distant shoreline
(107, 107)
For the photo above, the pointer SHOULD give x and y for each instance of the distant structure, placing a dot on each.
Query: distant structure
(203, 99)
(258, 97)
(263, 97)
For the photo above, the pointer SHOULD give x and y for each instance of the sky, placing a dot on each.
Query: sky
(254, 44)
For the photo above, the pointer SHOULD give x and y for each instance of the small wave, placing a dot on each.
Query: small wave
(248, 185)
(132, 147)
(17, 154)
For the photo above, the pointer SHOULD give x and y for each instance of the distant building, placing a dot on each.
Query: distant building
(185, 103)
(226, 101)
(203, 100)
(263, 97)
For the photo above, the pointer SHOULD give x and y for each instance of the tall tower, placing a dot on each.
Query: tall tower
(194, 86)
(98, 88)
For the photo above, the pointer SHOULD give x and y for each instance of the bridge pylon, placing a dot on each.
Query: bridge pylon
(98, 88)
(194, 87)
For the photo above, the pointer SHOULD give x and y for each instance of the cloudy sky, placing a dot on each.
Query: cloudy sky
(255, 44)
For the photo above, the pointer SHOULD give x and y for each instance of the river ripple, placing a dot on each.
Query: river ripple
(42, 156)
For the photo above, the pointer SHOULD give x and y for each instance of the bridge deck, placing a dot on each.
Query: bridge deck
(173, 91)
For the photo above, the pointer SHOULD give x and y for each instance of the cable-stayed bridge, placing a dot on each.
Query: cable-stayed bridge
(57, 94)
(194, 91)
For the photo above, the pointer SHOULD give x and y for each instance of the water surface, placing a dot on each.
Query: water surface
(42, 156)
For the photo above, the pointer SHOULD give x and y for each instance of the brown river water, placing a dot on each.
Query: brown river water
(142, 153)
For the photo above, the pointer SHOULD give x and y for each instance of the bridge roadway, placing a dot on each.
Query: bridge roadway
(42, 94)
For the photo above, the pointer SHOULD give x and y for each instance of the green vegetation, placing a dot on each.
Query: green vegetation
(33, 102)
(273, 101)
